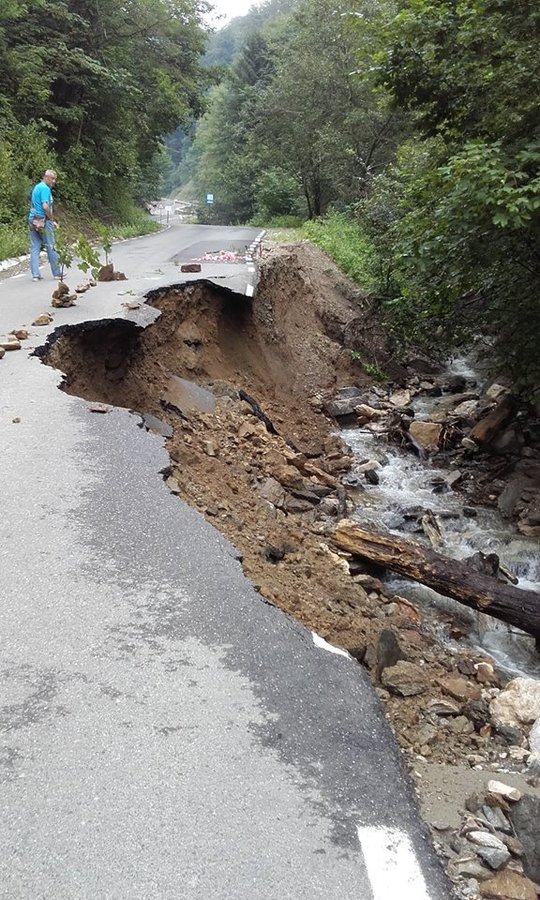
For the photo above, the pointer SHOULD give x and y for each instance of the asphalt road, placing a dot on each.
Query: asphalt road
(165, 732)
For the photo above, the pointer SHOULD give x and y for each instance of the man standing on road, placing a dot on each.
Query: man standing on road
(41, 225)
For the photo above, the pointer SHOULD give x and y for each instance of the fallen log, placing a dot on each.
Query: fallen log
(492, 424)
(449, 577)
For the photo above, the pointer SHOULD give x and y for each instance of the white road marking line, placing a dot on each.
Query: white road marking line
(324, 645)
(392, 865)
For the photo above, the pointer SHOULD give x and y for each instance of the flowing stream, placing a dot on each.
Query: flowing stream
(407, 483)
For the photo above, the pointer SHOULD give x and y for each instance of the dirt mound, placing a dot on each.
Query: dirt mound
(238, 387)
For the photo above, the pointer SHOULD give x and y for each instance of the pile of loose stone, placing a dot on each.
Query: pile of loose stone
(456, 431)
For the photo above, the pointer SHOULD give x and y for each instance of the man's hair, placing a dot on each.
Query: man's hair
(50, 173)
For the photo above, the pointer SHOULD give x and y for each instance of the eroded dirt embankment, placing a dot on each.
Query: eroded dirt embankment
(254, 452)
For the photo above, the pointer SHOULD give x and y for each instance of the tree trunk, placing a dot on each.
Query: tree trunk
(447, 576)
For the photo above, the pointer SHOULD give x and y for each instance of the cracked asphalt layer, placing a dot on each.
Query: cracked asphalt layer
(165, 732)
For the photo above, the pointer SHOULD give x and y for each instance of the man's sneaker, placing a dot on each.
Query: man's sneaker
(36, 278)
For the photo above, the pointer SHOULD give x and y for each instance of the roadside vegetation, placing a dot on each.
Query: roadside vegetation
(408, 137)
(90, 90)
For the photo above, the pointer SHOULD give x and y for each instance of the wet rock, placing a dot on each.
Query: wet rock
(468, 444)
(400, 398)
(371, 476)
(526, 821)
(345, 406)
(470, 512)
(454, 384)
(495, 392)
(427, 434)
(454, 478)
(508, 885)
(467, 409)
(405, 679)
(485, 673)
(508, 442)
(367, 413)
(518, 704)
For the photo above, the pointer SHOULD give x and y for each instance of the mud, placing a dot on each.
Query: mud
(242, 385)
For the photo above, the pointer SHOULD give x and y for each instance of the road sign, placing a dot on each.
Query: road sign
(210, 199)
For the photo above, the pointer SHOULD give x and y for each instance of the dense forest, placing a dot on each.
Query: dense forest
(90, 88)
(405, 133)
(413, 129)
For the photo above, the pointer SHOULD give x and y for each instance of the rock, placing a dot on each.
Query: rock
(486, 839)
(10, 345)
(534, 740)
(209, 448)
(485, 673)
(400, 398)
(510, 733)
(495, 392)
(427, 434)
(460, 689)
(271, 490)
(509, 441)
(461, 725)
(470, 868)
(467, 409)
(470, 512)
(454, 384)
(82, 288)
(20, 333)
(508, 885)
(99, 408)
(2, 352)
(526, 821)
(443, 708)
(190, 267)
(495, 858)
(389, 652)
(371, 476)
(340, 408)
(367, 413)
(405, 679)
(454, 478)
(499, 789)
(173, 485)
(43, 319)
(496, 818)
(518, 704)
(469, 444)
(64, 301)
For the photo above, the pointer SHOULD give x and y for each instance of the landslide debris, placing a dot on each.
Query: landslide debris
(240, 389)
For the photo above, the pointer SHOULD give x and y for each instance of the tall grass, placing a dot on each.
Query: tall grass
(14, 240)
(350, 248)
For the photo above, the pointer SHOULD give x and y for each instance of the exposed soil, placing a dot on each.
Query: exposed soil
(267, 473)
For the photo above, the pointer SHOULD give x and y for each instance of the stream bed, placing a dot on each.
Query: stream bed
(407, 483)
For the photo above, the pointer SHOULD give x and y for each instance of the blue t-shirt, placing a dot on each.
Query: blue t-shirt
(40, 195)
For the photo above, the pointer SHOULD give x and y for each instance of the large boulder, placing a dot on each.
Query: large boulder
(426, 434)
(518, 704)
(525, 817)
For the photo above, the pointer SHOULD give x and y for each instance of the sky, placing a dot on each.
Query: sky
(228, 9)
